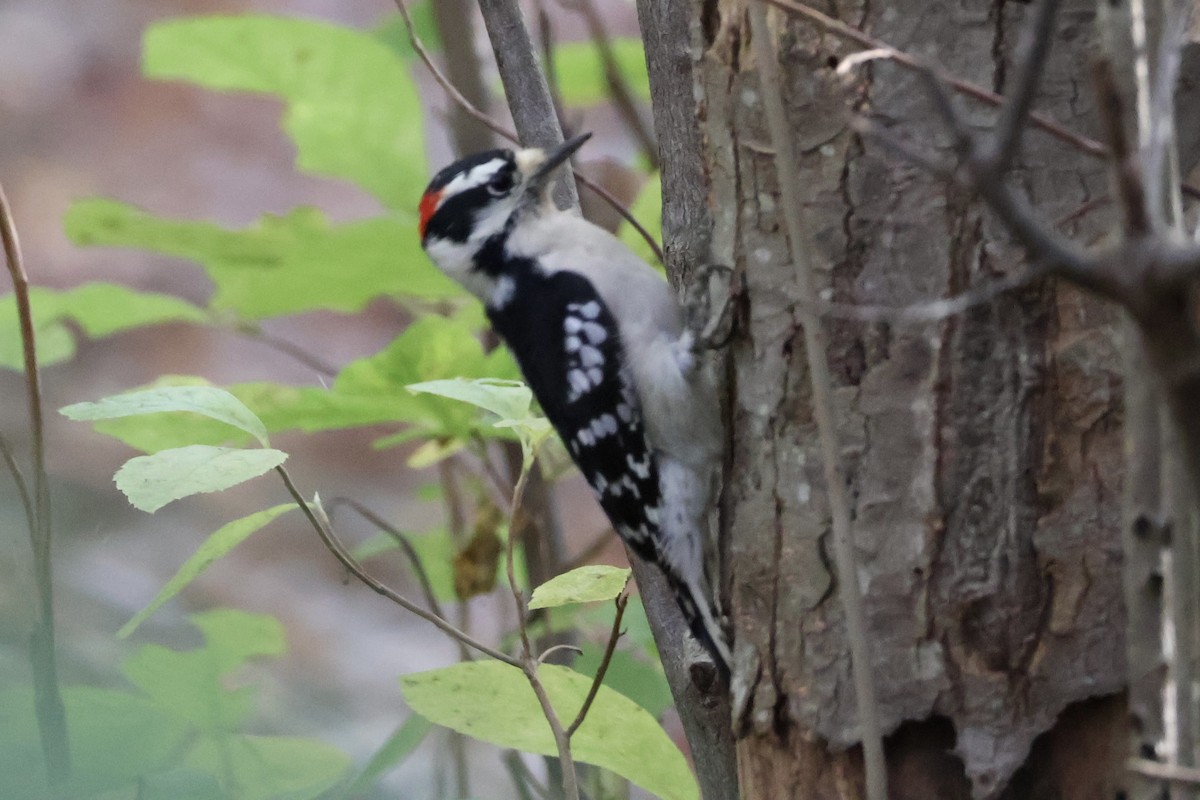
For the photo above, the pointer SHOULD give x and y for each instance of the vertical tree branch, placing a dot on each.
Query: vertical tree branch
(1142, 544)
(671, 40)
(524, 84)
(52, 718)
(822, 405)
(529, 664)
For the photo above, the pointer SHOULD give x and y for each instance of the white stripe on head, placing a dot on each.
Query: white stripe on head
(473, 178)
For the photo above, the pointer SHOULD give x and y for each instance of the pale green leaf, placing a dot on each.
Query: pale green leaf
(208, 401)
(99, 309)
(150, 482)
(225, 539)
(191, 685)
(509, 400)
(280, 264)
(588, 584)
(493, 701)
(272, 767)
(352, 107)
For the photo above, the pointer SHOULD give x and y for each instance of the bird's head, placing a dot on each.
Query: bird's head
(475, 197)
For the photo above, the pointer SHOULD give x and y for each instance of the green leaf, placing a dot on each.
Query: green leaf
(647, 209)
(581, 71)
(493, 701)
(280, 264)
(150, 482)
(208, 401)
(352, 107)
(225, 539)
(587, 584)
(99, 309)
(509, 400)
(272, 767)
(391, 754)
(191, 685)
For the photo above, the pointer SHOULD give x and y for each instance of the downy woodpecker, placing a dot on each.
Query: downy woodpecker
(600, 339)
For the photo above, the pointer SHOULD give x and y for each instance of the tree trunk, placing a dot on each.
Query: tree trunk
(983, 452)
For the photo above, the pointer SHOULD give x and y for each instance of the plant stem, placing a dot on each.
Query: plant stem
(331, 542)
(52, 717)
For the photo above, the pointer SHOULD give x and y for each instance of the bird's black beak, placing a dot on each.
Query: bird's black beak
(545, 162)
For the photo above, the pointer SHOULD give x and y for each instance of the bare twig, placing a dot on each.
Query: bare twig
(558, 648)
(822, 407)
(851, 34)
(1164, 772)
(410, 552)
(1062, 256)
(14, 469)
(331, 542)
(52, 718)
(255, 331)
(618, 88)
(621, 601)
(1126, 172)
(504, 132)
(529, 664)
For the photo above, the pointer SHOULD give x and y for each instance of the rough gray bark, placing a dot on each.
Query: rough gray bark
(984, 452)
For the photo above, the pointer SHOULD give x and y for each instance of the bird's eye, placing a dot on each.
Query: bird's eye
(500, 183)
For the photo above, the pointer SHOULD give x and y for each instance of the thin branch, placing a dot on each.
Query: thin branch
(330, 540)
(1062, 256)
(255, 332)
(934, 310)
(529, 664)
(14, 468)
(851, 34)
(52, 719)
(549, 651)
(822, 407)
(1126, 172)
(410, 552)
(618, 88)
(1160, 154)
(1164, 772)
(504, 132)
(621, 601)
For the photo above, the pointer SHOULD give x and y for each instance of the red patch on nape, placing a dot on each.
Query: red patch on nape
(429, 204)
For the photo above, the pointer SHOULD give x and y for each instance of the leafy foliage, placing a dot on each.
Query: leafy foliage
(177, 734)
(99, 309)
(350, 102)
(281, 264)
(353, 114)
(219, 544)
(493, 701)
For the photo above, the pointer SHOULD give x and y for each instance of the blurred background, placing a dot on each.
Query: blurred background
(78, 120)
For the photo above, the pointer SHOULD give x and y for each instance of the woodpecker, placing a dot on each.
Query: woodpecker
(601, 341)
